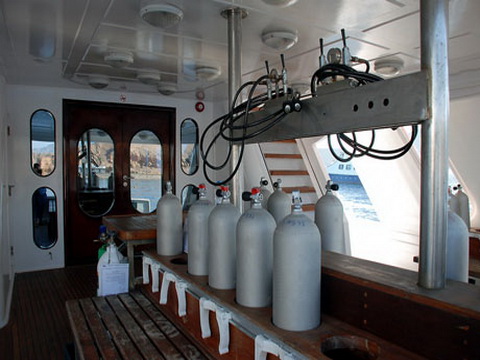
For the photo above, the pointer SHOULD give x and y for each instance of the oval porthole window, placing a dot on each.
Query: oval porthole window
(42, 142)
(145, 171)
(188, 197)
(189, 140)
(95, 185)
(44, 214)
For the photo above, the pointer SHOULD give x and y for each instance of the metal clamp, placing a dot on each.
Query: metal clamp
(264, 346)
(223, 321)
(146, 262)
(155, 278)
(180, 287)
(167, 278)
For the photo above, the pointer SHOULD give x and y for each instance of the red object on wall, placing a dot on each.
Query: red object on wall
(199, 106)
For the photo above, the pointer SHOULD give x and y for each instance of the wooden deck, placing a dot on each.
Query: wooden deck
(38, 328)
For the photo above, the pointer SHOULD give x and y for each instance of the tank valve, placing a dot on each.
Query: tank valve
(331, 186)
(254, 195)
(297, 200)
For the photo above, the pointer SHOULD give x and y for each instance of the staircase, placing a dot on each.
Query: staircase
(284, 161)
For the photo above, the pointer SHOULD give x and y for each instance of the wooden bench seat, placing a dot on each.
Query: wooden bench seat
(126, 326)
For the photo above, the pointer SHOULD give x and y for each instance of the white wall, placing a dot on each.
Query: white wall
(6, 271)
(22, 102)
(464, 131)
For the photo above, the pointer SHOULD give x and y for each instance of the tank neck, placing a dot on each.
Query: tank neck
(169, 187)
(297, 202)
(256, 204)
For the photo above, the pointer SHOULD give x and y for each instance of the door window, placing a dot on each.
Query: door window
(44, 216)
(145, 171)
(188, 197)
(189, 138)
(42, 142)
(95, 154)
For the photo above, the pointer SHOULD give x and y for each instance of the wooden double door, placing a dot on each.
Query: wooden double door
(106, 147)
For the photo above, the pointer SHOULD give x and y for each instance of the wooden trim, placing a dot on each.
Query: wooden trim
(308, 207)
(302, 189)
(282, 156)
(289, 172)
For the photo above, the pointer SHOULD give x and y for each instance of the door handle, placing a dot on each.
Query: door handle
(126, 177)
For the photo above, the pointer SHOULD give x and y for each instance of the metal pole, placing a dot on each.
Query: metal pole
(234, 18)
(434, 165)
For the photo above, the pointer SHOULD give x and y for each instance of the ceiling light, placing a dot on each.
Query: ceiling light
(149, 78)
(207, 73)
(389, 66)
(160, 14)
(118, 59)
(167, 88)
(98, 81)
(280, 3)
(279, 40)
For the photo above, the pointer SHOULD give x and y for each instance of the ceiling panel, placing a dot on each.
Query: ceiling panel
(85, 30)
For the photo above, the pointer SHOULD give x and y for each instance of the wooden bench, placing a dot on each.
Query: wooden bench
(126, 326)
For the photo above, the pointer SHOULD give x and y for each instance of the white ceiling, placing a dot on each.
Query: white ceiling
(77, 34)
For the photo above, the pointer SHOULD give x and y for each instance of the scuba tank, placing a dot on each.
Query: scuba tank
(452, 200)
(463, 205)
(264, 191)
(296, 271)
(222, 224)
(329, 218)
(169, 224)
(457, 248)
(255, 230)
(279, 203)
(197, 230)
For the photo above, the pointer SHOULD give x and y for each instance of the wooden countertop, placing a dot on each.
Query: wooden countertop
(132, 227)
(258, 320)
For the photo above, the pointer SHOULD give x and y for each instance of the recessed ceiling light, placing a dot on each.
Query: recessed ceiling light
(207, 73)
(160, 14)
(98, 81)
(281, 3)
(149, 77)
(279, 40)
(389, 66)
(119, 59)
(167, 88)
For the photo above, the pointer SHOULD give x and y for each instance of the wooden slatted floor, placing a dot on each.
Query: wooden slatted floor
(38, 328)
(127, 326)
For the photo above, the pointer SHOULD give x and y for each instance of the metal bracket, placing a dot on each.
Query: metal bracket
(384, 104)
(180, 287)
(146, 263)
(223, 321)
(264, 346)
(155, 277)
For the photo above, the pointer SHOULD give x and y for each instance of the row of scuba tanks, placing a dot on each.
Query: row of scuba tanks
(270, 254)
